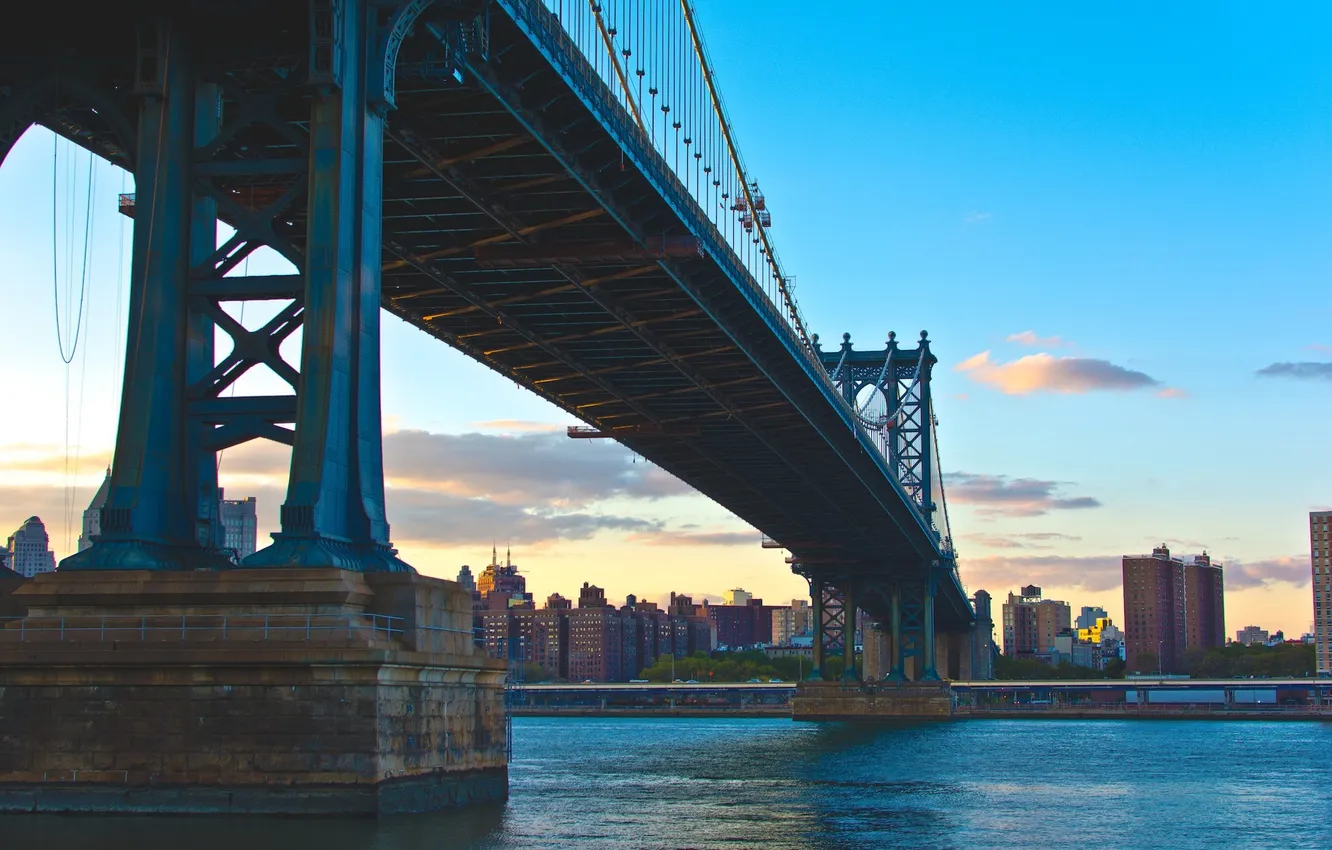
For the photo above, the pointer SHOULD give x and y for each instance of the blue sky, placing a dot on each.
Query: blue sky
(1133, 199)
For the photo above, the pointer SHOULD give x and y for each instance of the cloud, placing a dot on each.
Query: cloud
(541, 468)
(1042, 372)
(518, 426)
(1172, 392)
(1001, 573)
(1030, 540)
(1030, 338)
(431, 517)
(1326, 349)
(675, 537)
(523, 469)
(441, 488)
(1304, 371)
(1294, 571)
(1000, 495)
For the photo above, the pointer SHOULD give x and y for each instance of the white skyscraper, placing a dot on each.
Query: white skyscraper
(92, 517)
(30, 549)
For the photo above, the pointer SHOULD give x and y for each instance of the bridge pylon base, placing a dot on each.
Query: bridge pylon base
(295, 692)
(882, 701)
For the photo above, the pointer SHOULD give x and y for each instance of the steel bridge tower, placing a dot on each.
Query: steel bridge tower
(903, 420)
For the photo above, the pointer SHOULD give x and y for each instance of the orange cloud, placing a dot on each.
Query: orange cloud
(1044, 373)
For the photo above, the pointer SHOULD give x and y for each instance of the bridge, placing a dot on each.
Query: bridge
(550, 186)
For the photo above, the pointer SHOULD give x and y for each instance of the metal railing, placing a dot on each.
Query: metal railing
(211, 628)
(577, 56)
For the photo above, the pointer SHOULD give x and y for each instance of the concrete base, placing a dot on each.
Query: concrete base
(881, 701)
(267, 691)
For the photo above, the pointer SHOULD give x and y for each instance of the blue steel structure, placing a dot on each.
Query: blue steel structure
(507, 176)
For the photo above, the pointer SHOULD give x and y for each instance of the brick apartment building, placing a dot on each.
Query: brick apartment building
(1170, 608)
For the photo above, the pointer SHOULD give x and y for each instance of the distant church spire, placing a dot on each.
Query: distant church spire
(508, 550)
(494, 554)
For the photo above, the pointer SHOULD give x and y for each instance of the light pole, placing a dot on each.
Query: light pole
(1160, 671)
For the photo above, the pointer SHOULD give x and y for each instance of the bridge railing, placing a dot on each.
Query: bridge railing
(262, 628)
(587, 43)
(642, 68)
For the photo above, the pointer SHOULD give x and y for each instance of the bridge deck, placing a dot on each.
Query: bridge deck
(525, 226)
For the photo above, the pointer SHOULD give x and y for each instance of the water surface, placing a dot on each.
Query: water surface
(635, 782)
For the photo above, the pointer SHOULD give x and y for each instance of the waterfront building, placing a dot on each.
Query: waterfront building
(1250, 635)
(1321, 563)
(30, 549)
(1154, 611)
(92, 517)
(1031, 623)
(1171, 607)
(1069, 647)
(787, 622)
(1089, 616)
(595, 645)
(240, 524)
(739, 626)
(1204, 604)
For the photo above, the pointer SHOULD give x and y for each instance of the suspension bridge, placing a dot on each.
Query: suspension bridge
(553, 188)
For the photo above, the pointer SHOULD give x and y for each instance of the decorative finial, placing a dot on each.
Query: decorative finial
(815, 338)
(892, 335)
(846, 337)
(924, 335)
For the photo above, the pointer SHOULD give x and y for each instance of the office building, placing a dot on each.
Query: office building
(1031, 623)
(500, 586)
(1089, 616)
(1321, 563)
(1170, 608)
(240, 524)
(30, 549)
(92, 517)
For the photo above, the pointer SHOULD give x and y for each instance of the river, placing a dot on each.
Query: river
(628, 783)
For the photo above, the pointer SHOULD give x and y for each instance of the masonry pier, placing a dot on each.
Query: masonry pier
(278, 691)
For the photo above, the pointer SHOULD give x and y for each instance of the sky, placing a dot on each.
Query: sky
(1113, 221)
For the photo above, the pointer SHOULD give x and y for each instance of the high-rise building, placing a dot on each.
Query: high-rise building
(30, 549)
(1155, 631)
(1032, 623)
(92, 517)
(1204, 604)
(1089, 616)
(737, 596)
(1321, 562)
(792, 621)
(1170, 608)
(465, 579)
(500, 586)
(240, 524)
(982, 638)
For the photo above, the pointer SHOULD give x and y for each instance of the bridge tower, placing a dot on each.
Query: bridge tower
(292, 159)
(888, 391)
(268, 117)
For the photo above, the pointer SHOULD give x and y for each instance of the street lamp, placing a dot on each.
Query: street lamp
(1160, 671)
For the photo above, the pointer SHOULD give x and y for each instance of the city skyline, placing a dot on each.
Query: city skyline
(1083, 266)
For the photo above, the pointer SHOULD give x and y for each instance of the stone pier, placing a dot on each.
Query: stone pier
(247, 691)
(879, 701)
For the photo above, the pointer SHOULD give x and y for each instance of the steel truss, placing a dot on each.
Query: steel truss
(288, 153)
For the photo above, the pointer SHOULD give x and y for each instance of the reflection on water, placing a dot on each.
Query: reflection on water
(579, 782)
